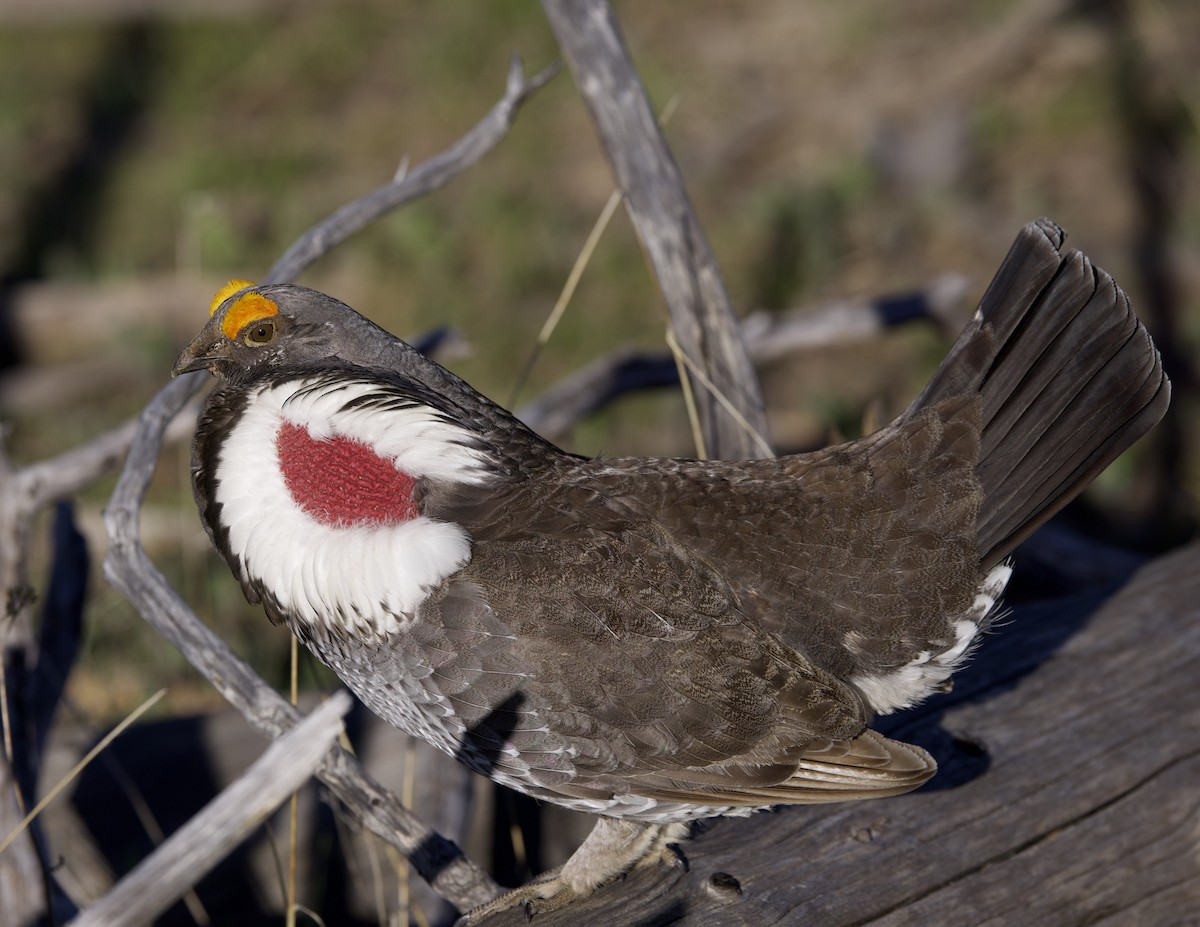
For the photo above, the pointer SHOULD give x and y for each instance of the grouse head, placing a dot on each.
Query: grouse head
(255, 329)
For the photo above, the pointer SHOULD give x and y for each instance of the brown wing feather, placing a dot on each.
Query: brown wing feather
(870, 766)
(659, 687)
(877, 536)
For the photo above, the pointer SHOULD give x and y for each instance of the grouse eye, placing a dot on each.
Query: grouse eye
(260, 333)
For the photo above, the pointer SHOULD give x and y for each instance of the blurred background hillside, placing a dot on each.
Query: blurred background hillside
(151, 150)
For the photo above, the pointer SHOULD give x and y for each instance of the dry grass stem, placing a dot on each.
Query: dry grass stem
(717, 394)
(82, 765)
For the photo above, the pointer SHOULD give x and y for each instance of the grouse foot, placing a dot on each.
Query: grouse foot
(611, 850)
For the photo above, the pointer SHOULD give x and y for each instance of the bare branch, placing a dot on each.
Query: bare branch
(771, 336)
(192, 851)
(704, 323)
(65, 475)
(408, 184)
(768, 337)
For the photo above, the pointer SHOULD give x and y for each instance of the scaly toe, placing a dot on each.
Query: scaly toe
(545, 893)
(562, 897)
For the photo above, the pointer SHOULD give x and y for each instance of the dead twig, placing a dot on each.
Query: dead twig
(769, 337)
(701, 315)
(410, 184)
(180, 862)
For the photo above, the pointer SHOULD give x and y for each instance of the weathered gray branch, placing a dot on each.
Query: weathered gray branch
(701, 316)
(190, 853)
(768, 338)
(24, 493)
(409, 185)
(771, 336)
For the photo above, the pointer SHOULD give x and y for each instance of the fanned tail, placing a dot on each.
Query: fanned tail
(1067, 376)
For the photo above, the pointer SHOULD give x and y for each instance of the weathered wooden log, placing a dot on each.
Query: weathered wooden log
(1069, 793)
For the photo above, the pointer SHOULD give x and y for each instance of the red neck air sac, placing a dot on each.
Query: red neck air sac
(342, 482)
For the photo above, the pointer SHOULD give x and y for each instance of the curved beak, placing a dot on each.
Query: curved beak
(204, 351)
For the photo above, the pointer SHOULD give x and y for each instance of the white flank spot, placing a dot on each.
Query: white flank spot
(904, 687)
(360, 577)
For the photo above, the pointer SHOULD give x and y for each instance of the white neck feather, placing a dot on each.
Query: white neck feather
(365, 580)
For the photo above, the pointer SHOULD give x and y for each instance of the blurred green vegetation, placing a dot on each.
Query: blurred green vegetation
(831, 150)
